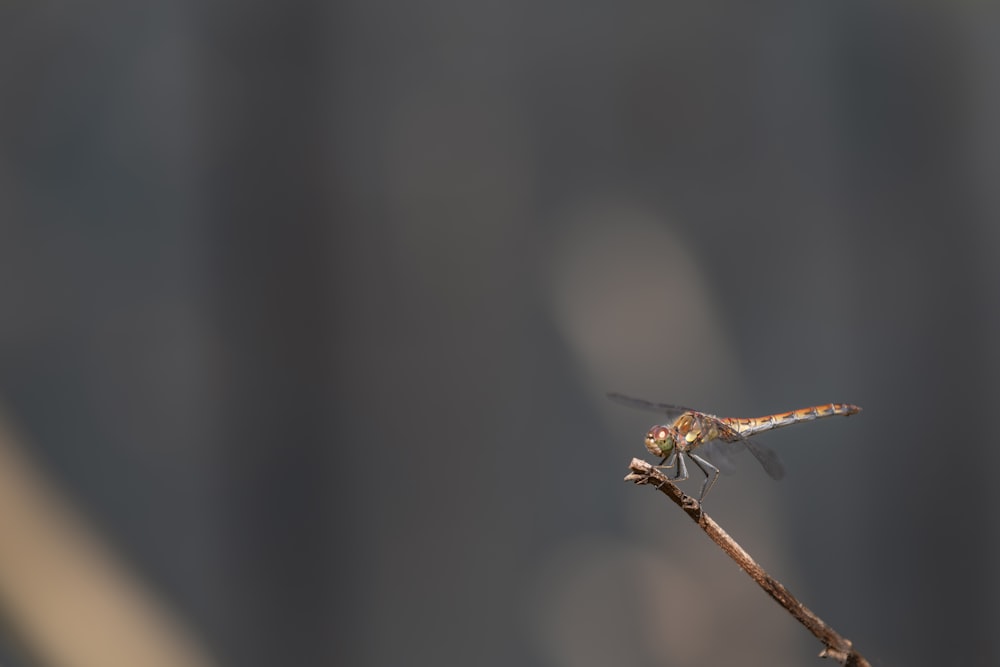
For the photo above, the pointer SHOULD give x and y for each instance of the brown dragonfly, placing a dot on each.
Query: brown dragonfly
(719, 436)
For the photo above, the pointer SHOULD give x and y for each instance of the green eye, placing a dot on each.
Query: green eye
(660, 441)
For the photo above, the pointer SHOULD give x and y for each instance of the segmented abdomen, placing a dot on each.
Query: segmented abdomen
(748, 426)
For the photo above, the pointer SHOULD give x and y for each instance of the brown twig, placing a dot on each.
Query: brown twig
(836, 647)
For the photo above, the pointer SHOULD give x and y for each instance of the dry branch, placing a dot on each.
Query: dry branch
(835, 646)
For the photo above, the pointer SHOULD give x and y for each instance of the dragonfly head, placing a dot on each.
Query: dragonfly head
(661, 440)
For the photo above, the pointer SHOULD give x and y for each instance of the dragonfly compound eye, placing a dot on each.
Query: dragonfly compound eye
(660, 441)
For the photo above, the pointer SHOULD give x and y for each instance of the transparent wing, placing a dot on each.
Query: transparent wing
(641, 404)
(733, 442)
(721, 454)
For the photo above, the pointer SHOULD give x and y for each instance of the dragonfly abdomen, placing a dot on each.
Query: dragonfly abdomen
(752, 425)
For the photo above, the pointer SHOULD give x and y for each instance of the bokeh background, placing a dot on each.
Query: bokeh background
(309, 309)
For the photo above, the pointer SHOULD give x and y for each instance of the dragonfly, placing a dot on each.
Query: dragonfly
(719, 436)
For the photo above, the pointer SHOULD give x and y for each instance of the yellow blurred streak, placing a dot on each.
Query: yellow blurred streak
(73, 603)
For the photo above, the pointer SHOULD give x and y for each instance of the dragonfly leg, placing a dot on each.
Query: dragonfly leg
(669, 460)
(682, 469)
(710, 477)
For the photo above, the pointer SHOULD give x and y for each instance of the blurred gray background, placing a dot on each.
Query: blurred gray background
(309, 310)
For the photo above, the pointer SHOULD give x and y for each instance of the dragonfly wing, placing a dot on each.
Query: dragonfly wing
(767, 457)
(721, 453)
(733, 440)
(641, 404)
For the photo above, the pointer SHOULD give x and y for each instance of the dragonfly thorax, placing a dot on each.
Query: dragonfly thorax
(694, 430)
(661, 440)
